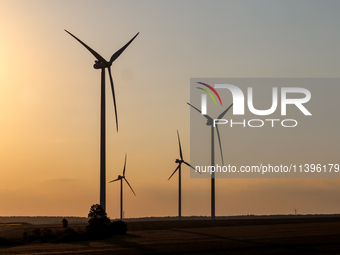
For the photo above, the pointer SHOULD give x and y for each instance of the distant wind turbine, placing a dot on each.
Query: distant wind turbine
(179, 161)
(121, 178)
(101, 63)
(210, 123)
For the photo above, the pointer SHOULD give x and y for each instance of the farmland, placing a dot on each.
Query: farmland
(258, 235)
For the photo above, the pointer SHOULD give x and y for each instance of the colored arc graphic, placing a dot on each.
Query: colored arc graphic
(208, 93)
(218, 96)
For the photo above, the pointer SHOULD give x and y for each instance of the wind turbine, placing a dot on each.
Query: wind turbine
(179, 161)
(101, 63)
(121, 178)
(210, 123)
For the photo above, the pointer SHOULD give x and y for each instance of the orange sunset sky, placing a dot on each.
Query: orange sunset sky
(50, 100)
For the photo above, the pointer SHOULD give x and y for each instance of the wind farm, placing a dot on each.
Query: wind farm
(67, 186)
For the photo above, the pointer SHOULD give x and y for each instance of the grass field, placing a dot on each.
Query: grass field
(291, 235)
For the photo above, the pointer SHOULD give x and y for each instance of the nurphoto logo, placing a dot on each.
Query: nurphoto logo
(238, 99)
(264, 127)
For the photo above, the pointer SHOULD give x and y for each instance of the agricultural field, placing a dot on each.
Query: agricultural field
(295, 235)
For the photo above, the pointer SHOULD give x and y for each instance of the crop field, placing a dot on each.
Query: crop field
(242, 236)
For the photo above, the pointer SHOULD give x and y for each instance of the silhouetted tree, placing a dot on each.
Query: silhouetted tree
(65, 223)
(98, 217)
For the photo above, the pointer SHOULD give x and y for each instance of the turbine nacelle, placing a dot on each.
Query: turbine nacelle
(100, 64)
(120, 177)
(209, 122)
(179, 161)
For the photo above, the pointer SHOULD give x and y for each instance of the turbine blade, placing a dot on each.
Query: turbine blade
(180, 148)
(223, 113)
(114, 98)
(100, 58)
(190, 166)
(120, 51)
(115, 180)
(219, 141)
(194, 108)
(130, 186)
(124, 165)
(174, 172)
(206, 116)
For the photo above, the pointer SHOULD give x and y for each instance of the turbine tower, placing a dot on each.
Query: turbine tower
(121, 178)
(210, 123)
(101, 63)
(179, 161)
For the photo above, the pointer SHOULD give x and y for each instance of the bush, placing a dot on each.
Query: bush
(70, 236)
(118, 228)
(47, 234)
(37, 233)
(33, 235)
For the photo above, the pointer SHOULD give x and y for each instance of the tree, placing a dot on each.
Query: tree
(98, 217)
(65, 223)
